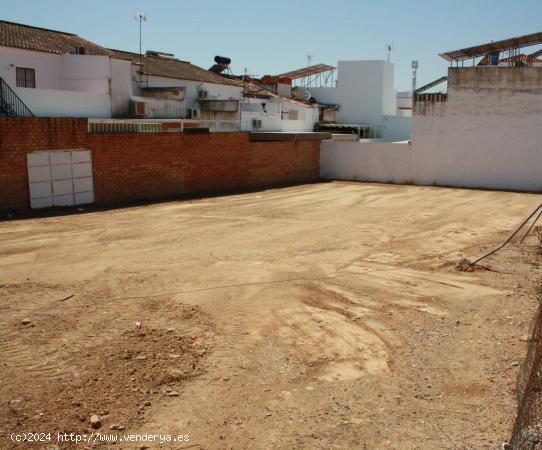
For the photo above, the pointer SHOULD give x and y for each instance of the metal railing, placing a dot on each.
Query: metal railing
(11, 104)
(431, 97)
(120, 126)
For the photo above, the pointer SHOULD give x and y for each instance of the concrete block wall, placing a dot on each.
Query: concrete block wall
(144, 166)
(484, 134)
(380, 162)
(487, 132)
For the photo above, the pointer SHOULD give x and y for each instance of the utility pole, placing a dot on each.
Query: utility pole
(140, 17)
(414, 73)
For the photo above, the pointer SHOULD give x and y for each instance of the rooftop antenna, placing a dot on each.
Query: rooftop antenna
(245, 74)
(414, 73)
(140, 17)
(389, 48)
(307, 80)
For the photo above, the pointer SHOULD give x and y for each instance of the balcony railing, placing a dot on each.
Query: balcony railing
(11, 104)
(432, 97)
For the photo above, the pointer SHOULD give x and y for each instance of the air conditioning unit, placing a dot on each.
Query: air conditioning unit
(256, 124)
(193, 113)
(139, 109)
(203, 94)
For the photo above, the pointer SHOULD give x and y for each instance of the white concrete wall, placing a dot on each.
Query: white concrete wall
(85, 73)
(272, 118)
(487, 135)
(396, 128)
(217, 91)
(306, 125)
(250, 108)
(56, 103)
(121, 87)
(366, 161)
(71, 73)
(162, 108)
(404, 104)
(389, 94)
(364, 92)
(253, 108)
(48, 66)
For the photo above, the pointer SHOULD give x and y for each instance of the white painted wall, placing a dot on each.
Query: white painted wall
(273, 118)
(366, 161)
(56, 103)
(47, 66)
(121, 87)
(83, 73)
(404, 104)
(494, 165)
(64, 75)
(191, 89)
(486, 135)
(162, 108)
(364, 92)
(252, 108)
(217, 91)
(396, 128)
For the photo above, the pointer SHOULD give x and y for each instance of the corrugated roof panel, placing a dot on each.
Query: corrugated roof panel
(497, 46)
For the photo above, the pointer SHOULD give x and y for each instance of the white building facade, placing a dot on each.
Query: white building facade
(60, 74)
(484, 133)
(366, 96)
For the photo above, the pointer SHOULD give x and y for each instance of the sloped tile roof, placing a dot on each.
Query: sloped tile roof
(255, 91)
(43, 40)
(174, 68)
(51, 41)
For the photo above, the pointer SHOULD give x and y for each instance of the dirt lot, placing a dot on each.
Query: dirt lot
(320, 316)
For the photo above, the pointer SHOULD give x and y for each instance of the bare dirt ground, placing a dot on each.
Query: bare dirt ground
(327, 316)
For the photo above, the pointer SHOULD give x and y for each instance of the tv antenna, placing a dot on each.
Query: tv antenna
(309, 59)
(140, 17)
(389, 48)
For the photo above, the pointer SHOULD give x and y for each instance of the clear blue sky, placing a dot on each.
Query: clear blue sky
(270, 37)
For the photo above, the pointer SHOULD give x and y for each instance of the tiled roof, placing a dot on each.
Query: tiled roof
(255, 91)
(167, 67)
(43, 40)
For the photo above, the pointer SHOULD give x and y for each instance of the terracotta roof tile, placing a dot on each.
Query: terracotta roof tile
(174, 68)
(43, 40)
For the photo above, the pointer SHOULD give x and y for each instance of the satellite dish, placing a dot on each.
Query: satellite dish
(307, 95)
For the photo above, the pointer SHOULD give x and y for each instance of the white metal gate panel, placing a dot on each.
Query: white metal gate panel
(60, 178)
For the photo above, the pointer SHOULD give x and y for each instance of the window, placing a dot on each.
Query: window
(26, 77)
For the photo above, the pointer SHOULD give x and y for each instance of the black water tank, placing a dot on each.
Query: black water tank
(223, 60)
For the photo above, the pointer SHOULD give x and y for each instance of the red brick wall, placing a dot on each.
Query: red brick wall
(139, 166)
